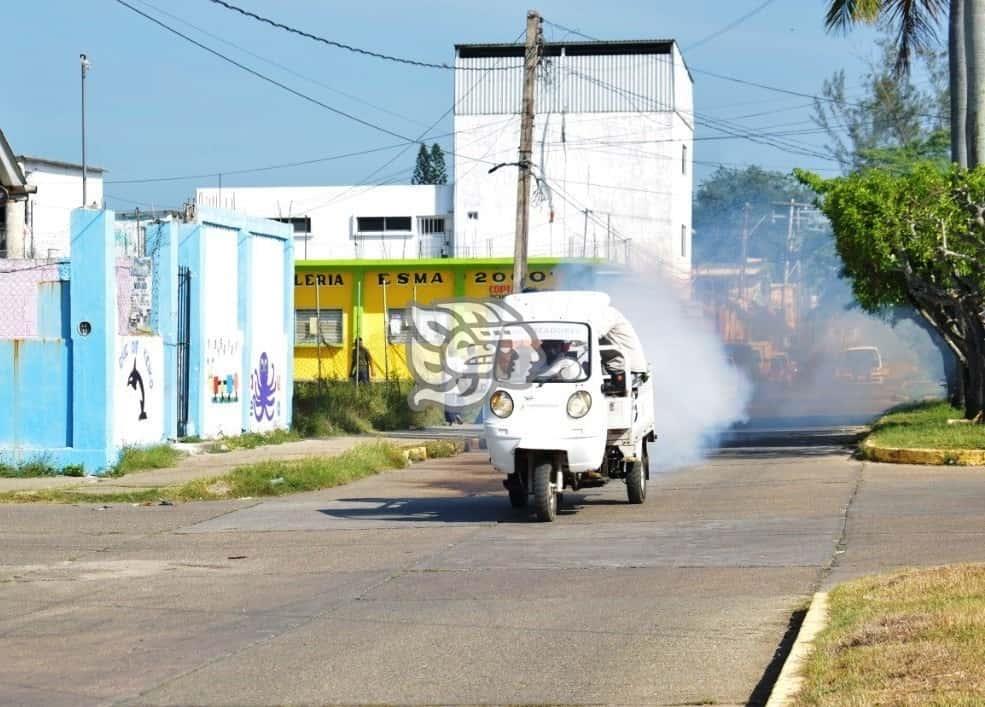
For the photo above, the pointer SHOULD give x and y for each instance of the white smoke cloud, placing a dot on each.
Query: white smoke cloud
(698, 394)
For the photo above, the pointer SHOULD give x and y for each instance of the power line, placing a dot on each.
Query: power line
(250, 170)
(745, 82)
(341, 45)
(264, 77)
(730, 26)
(280, 66)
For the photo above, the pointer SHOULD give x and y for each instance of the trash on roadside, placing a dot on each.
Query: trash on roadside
(102, 508)
(165, 502)
(236, 557)
(277, 481)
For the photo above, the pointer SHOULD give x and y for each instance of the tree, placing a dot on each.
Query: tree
(917, 239)
(439, 173)
(915, 22)
(422, 170)
(892, 112)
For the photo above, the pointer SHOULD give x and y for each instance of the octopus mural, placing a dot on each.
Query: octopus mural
(264, 386)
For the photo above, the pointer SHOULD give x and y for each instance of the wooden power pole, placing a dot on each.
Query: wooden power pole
(531, 59)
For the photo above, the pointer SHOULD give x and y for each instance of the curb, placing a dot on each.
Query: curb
(934, 457)
(790, 680)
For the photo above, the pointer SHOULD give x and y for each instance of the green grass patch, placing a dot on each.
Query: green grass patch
(915, 637)
(252, 440)
(160, 456)
(328, 408)
(273, 478)
(925, 426)
(34, 468)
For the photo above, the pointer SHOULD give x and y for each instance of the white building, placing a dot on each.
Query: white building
(612, 152)
(38, 225)
(344, 222)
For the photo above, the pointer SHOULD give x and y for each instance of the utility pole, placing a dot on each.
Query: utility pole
(584, 234)
(786, 262)
(84, 61)
(743, 252)
(531, 59)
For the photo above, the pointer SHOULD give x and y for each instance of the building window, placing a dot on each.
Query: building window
(431, 224)
(683, 159)
(376, 225)
(301, 224)
(683, 241)
(398, 326)
(313, 327)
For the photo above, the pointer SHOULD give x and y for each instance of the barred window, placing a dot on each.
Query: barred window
(431, 224)
(312, 326)
(383, 224)
(398, 326)
(300, 224)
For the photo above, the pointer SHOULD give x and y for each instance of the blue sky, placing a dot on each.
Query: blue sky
(159, 106)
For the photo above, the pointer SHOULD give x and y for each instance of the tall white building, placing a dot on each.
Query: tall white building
(343, 222)
(612, 152)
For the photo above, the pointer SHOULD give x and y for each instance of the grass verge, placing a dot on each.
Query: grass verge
(924, 426)
(160, 456)
(35, 468)
(329, 407)
(252, 440)
(915, 637)
(274, 478)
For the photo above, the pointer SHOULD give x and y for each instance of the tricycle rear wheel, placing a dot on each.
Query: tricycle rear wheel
(636, 478)
(545, 496)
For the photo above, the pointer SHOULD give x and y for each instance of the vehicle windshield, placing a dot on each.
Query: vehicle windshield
(543, 352)
(860, 361)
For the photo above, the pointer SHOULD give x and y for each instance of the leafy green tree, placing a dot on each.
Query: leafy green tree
(422, 170)
(891, 113)
(917, 239)
(439, 173)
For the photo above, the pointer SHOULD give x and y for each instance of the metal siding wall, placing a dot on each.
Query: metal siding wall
(612, 83)
(494, 91)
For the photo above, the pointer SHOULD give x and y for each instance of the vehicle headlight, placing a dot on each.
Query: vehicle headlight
(501, 404)
(579, 404)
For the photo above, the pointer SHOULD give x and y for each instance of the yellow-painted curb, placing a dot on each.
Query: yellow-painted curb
(937, 457)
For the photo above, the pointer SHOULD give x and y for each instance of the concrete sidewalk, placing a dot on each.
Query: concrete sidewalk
(200, 465)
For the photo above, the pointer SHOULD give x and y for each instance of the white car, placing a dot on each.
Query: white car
(559, 417)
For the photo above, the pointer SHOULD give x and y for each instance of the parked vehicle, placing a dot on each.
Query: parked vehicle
(860, 364)
(572, 400)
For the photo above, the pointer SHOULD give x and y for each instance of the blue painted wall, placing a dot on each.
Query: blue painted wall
(35, 397)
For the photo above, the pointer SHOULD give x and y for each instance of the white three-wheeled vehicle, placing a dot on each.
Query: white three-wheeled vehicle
(571, 402)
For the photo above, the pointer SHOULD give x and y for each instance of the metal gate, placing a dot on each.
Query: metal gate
(184, 318)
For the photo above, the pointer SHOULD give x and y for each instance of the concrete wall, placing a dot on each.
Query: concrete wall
(59, 191)
(333, 211)
(19, 284)
(35, 398)
(242, 304)
(628, 169)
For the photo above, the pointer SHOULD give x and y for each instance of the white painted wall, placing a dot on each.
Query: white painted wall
(625, 167)
(59, 190)
(333, 210)
(220, 316)
(270, 354)
(138, 389)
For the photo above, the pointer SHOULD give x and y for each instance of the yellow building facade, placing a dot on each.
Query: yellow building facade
(339, 301)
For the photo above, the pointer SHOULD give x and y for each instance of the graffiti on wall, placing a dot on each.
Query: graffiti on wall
(222, 365)
(138, 319)
(264, 386)
(139, 376)
(138, 390)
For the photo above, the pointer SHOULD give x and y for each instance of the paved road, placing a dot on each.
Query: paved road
(423, 586)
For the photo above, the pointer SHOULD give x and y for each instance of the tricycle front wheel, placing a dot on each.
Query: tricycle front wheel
(545, 495)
